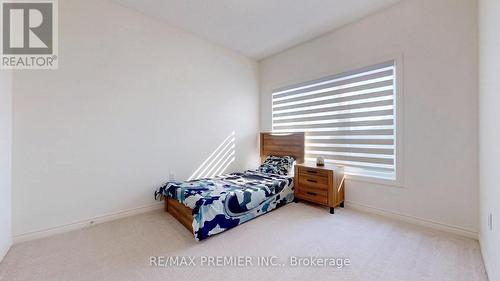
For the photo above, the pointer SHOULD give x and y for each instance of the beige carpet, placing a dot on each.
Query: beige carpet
(378, 248)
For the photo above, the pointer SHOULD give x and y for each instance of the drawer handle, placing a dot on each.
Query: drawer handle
(315, 181)
(311, 193)
(312, 172)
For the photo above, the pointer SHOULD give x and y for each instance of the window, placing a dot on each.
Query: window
(349, 119)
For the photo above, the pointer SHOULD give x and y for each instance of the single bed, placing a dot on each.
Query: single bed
(213, 205)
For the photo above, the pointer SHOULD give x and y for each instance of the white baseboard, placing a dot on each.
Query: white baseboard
(486, 260)
(125, 213)
(4, 249)
(84, 223)
(414, 220)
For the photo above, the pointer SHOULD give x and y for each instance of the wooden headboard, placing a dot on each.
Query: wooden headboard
(282, 144)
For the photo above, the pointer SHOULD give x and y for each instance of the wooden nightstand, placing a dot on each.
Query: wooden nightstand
(320, 185)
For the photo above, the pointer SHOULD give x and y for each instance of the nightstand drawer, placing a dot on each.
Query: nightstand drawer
(313, 181)
(312, 171)
(312, 195)
(313, 189)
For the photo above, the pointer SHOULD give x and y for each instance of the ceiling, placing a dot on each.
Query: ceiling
(258, 28)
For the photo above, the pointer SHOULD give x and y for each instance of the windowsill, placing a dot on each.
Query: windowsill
(366, 176)
(373, 179)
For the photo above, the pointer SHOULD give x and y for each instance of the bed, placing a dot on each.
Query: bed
(210, 206)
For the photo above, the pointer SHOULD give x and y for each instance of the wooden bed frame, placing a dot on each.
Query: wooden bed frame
(291, 144)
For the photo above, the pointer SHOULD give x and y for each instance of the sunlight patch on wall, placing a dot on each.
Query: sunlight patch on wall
(218, 161)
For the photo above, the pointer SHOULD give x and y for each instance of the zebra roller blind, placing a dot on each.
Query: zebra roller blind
(349, 118)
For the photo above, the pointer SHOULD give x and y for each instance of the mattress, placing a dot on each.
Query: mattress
(225, 201)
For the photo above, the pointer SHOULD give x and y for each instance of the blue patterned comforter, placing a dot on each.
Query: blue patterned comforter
(226, 201)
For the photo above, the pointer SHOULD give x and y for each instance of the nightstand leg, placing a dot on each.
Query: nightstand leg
(342, 204)
(332, 210)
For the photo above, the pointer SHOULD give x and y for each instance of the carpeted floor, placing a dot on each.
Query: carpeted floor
(378, 249)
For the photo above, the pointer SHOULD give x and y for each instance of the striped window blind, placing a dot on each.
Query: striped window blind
(349, 119)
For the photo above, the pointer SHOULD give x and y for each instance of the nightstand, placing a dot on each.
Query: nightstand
(320, 185)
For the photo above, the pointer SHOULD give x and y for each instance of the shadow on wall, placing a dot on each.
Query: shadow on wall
(218, 161)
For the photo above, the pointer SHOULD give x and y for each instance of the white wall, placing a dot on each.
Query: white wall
(5, 161)
(438, 43)
(133, 100)
(489, 104)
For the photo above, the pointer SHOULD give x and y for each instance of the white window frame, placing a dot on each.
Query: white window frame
(398, 181)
